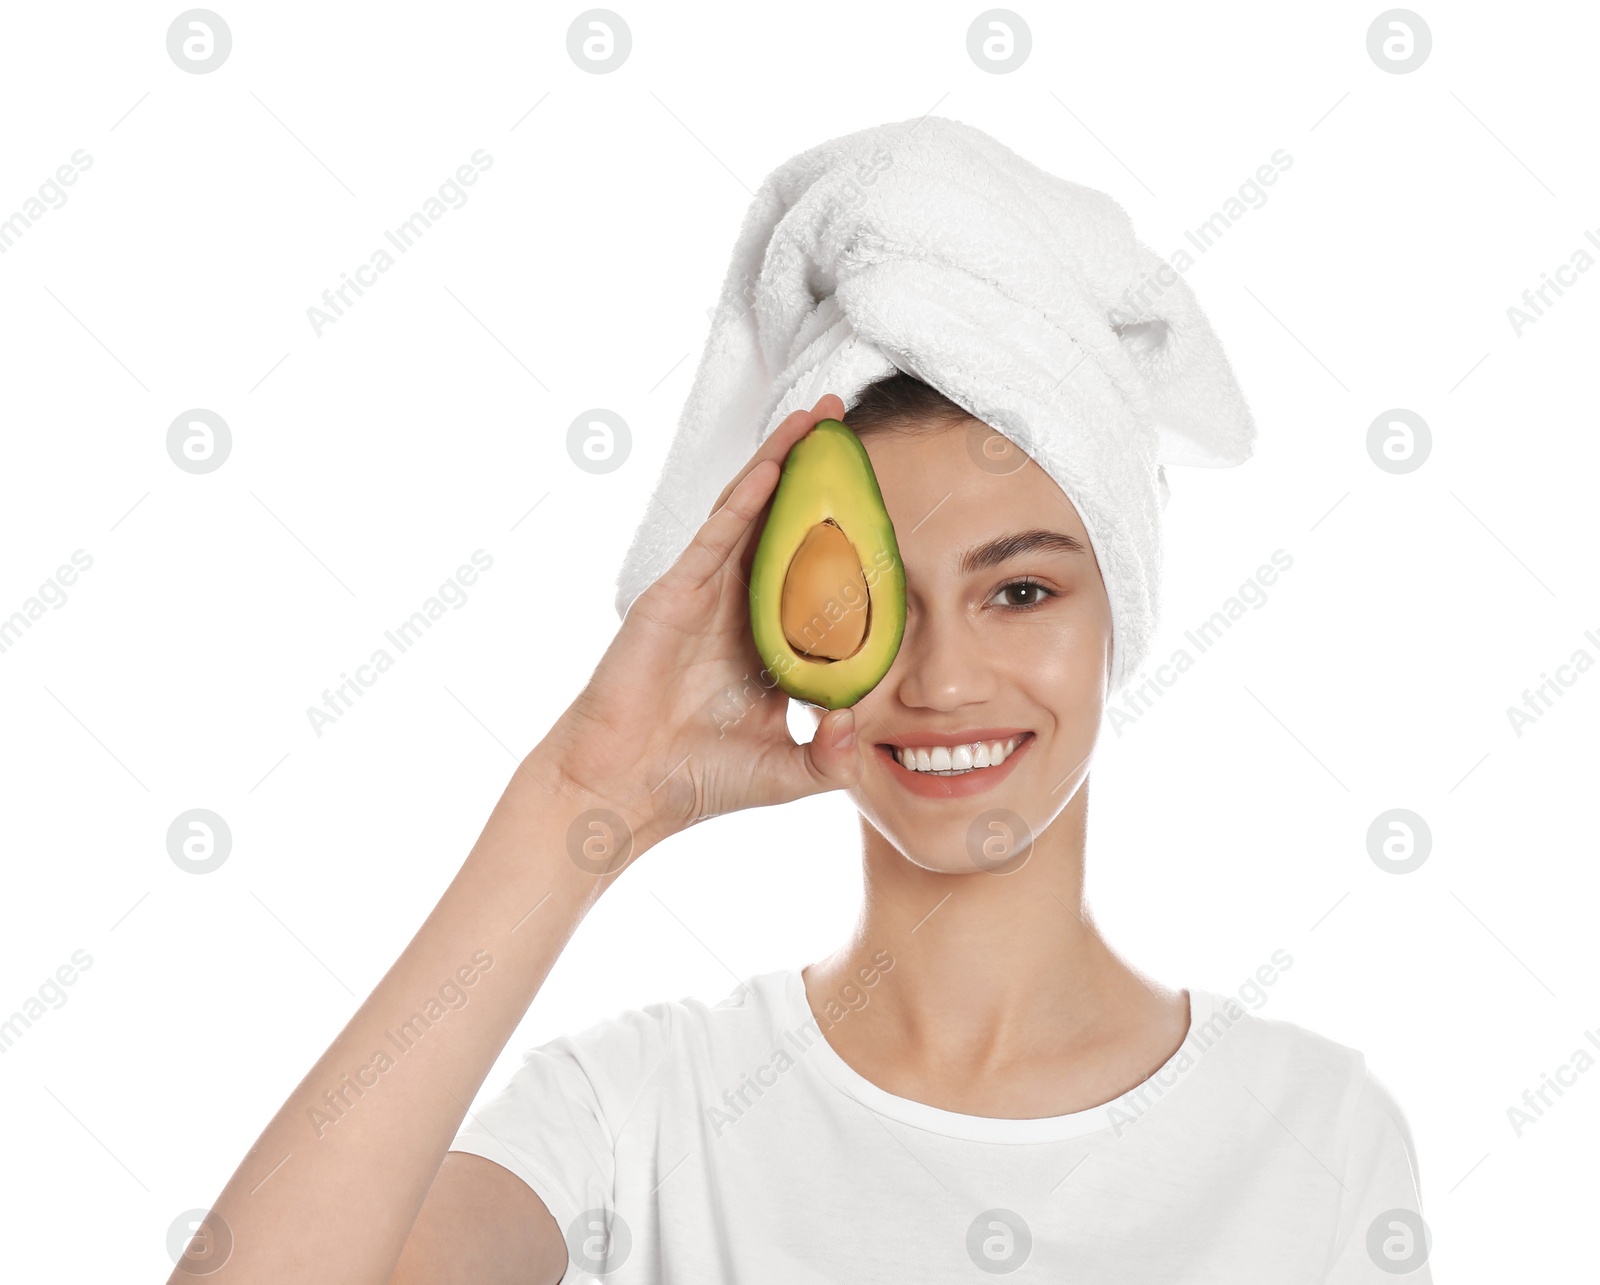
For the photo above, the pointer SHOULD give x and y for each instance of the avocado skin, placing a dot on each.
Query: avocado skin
(827, 474)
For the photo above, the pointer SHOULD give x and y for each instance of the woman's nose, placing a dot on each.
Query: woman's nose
(941, 663)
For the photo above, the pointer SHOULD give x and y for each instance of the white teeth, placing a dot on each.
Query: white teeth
(952, 759)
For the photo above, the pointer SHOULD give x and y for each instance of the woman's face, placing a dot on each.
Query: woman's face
(1008, 635)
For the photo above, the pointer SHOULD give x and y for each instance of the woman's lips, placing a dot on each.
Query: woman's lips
(930, 785)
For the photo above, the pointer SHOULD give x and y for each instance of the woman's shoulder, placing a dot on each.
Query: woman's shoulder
(1293, 1062)
(754, 1010)
(652, 1050)
(1248, 1030)
(1278, 1088)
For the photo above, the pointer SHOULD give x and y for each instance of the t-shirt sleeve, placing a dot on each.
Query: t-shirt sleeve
(555, 1122)
(1381, 1236)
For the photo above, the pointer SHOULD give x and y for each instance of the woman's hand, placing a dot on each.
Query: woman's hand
(680, 720)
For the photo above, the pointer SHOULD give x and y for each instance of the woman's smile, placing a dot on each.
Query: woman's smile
(954, 769)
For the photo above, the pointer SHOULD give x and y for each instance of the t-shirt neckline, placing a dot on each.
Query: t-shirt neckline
(978, 1128)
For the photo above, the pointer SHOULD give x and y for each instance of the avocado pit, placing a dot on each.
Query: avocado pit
(825, 604)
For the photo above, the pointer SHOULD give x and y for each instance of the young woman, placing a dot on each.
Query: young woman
(973, 1084)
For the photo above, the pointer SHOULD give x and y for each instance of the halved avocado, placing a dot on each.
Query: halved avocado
(827, 588)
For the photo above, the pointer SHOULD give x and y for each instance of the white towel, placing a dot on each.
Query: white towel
(927, 246)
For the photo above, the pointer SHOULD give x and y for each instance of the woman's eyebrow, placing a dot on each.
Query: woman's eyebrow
(991, 553)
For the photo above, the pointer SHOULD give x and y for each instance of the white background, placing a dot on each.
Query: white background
(427, 422)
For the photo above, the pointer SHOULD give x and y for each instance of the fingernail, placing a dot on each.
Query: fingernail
(844, 734)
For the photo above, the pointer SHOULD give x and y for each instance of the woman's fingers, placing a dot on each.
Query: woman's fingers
(833, 755)
(725, 535)
(822, 763)
(725, 529)
(794, 426)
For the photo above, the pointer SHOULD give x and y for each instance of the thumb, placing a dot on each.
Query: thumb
(830, 764)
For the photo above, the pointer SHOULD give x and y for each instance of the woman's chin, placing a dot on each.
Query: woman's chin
(939, 858)
(985, 837)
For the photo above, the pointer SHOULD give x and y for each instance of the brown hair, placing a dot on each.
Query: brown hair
(904, 402)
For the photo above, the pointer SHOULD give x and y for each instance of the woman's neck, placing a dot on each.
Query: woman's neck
(995, 978)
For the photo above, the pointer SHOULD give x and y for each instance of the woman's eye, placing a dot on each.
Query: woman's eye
(1032, 594)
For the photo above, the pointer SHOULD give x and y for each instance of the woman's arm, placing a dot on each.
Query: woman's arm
(334, 1184)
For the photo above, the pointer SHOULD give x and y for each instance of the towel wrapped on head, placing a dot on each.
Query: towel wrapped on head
(927, 246)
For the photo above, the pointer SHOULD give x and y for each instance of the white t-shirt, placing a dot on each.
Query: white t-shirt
(686, 1142)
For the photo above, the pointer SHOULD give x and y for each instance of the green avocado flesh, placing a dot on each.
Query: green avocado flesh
(827, 588)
